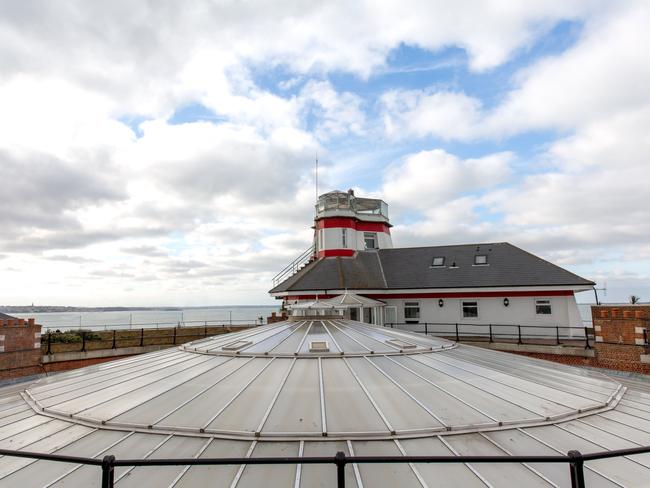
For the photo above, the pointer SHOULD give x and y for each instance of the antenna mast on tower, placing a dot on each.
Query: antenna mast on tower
(316, 175)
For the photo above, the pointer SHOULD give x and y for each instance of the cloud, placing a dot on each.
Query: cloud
(429, 178)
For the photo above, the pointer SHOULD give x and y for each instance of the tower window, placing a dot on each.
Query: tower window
(480, 259)
(438, 261)
(370, 239)
(344, 237)
(543, 307)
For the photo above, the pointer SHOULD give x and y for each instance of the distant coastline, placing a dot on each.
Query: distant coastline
(66, 309)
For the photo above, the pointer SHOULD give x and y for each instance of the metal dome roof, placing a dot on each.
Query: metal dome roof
(317, 378)
(268, 392)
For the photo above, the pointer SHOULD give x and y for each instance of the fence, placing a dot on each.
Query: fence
(86, 340)
(574, 459)
(519, 334)
(158, 325)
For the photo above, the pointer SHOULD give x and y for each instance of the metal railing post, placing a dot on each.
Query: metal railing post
(340, 461)
(142, 337)
(426, 329)
(577, 469)
(83, 341)
(490, 326)
(519, 335)
(457, 338)
(108, 472)
(49, 342)
(587, 346)
(174, 335)
(114, 339)
(557, 335)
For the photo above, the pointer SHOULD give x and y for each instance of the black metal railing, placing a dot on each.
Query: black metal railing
(513, 333)
(82, 340)
(294, 266)
(108, 463)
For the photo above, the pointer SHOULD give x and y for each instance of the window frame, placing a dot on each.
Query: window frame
(442, 262)
(462, 309)
(344, 238)
(477, 256)
(374, 238)
(418, 305)
(548, 303)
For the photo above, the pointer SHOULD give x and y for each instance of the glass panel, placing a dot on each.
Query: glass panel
(400, 410)
(346, 406)
(269, 343)
(456, 474)
(40, 473)
(552, 394)
(290, 344)
(47, 444)
(215, 475)
(201, 409)
(324, 475)
(297, 409)
(494, 406)
(275, 475)
(79, 398)
(152, 410)
(446, 407)
(177, 446)
(495, 474)
(383, 474)
(317, 333)
(246, 412)
(533, 404)
(620, 470)
(135, 446)
(347, 344)
(520, 444)
(124, 403)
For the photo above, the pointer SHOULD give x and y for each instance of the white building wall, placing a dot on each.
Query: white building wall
(333, 239)
(520, 311)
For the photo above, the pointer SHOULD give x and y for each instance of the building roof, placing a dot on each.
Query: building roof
(411, 268)
(265, 392)
(4, 316)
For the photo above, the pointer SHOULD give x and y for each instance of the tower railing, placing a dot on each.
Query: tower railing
(294, 266)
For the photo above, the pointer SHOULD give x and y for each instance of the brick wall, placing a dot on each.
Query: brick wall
(20, 347)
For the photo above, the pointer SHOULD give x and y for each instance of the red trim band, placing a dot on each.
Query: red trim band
(327, 253)
(475, 294)
(351, 223)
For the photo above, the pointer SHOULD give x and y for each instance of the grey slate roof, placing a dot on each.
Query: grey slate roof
(4, 316)
(410, 268)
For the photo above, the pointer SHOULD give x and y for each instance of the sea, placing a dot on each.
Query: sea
(151, 318)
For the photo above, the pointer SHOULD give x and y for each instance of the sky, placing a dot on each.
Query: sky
(163, 153)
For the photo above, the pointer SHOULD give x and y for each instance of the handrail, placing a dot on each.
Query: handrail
(293, 266)
(488, 331)
(573, 458)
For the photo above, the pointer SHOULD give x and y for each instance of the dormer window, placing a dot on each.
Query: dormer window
(438, 262)
(480, 259)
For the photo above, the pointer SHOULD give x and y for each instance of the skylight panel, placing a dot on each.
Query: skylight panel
(438, 262)
(480, 259)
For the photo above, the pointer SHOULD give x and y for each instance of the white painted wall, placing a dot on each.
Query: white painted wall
(332, 239)
(520, 311)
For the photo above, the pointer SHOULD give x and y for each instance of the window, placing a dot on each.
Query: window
(480, 259)
(543, 307)
(344, 237)
(438, 261)
(321, 239)
(370, 238)
(411, 312)
(470, 310)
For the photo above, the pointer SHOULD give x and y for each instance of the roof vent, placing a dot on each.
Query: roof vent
(401, 344)
(319, 346)
(236, 346)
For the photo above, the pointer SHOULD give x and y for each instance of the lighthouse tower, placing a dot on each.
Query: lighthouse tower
(345, 224)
